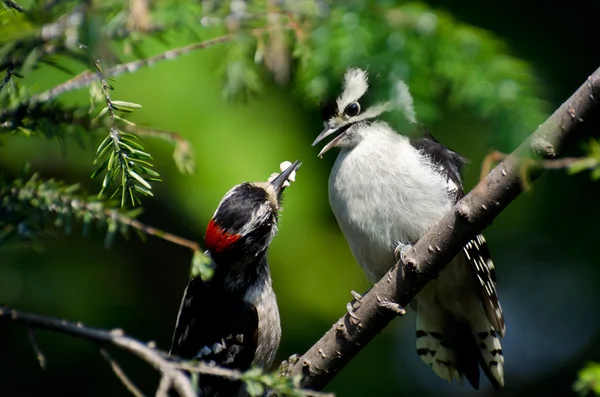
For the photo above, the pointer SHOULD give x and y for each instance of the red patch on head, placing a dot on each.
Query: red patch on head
(217, 239)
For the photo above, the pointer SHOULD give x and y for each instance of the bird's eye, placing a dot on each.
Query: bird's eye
(353, 109)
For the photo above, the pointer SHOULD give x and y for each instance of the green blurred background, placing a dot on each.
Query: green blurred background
(543, 244)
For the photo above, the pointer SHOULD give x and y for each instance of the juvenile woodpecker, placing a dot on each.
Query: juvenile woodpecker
(232, 320)
(386, 191)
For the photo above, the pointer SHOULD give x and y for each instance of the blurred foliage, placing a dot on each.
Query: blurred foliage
(590, 162)
(275, 60)
(589, 380)
(320, 40)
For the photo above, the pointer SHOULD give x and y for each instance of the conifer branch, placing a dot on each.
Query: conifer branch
(183, 153)
(29, 201)
(127, 157)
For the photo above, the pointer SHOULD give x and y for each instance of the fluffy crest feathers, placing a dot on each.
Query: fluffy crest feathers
(356, 83)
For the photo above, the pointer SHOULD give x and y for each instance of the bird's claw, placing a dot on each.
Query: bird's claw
(283, 166)
(393, 307)
(355, 304)
(285, 368)
(400, 252)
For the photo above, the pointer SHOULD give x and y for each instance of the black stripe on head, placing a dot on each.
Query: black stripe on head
(238, 207)
(328, 110)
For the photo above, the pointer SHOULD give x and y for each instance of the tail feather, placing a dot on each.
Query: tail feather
(455, 349)
(492, 358)
(433, 348)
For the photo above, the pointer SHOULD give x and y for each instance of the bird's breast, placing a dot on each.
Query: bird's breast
(263, 298)
(382, 194)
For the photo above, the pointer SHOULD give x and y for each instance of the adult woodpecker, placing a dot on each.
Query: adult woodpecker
(386, 191)
(232, 320)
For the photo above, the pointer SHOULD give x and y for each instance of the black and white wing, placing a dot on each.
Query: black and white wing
(447, 162)
(450, 164)
(217, 328)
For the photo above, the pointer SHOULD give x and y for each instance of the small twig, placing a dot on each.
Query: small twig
(116, 337)
(163, 387)
(121, 374)
(234, 374)
(183, 154)
(86, 78)
(547, 164)
(172, 238)
(39, 355)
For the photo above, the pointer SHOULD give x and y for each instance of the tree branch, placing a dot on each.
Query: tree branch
(87, 77)
(115, 337)
(119, 373)
(172, 369)
(439, 245)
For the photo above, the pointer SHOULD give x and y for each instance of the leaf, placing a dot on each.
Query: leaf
(589, 379)
(202, 266)
(129, 105)
(254, 388)
(140, 179)
(100, 169)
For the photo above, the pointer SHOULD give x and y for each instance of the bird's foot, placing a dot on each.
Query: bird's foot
(393, 307)
(400, 252)
(285, 368)
(355, 304)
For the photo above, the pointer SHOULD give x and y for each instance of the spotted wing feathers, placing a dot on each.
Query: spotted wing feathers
(478, 257)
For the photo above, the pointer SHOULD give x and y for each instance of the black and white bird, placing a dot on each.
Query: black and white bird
(232, 319)
(386, 190)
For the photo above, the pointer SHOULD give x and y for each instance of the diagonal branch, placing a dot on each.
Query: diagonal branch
(101, 337)
(438, 246)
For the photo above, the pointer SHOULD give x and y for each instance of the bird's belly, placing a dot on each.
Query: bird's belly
(269, 328)
(375, 215)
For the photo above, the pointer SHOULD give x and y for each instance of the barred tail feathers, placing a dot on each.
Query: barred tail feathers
(488, 342)
(455, 349)
(437, 352)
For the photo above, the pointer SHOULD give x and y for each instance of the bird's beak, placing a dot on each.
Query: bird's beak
(329, 130)
(279, 182)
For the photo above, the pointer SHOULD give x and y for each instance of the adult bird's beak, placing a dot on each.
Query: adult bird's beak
(280, 182)
(330, 129)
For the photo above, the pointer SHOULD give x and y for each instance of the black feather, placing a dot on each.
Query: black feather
(210, 315)
(448, 163)
(458, 337)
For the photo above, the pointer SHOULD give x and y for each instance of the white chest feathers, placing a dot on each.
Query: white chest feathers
(384, 191)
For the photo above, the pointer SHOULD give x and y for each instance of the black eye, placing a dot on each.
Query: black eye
(353, 109)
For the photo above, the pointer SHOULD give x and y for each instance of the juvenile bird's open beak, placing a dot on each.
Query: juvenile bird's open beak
(279, 182)
(330, 130)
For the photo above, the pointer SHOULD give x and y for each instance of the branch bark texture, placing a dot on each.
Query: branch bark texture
(158, 360)
(423, 262)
